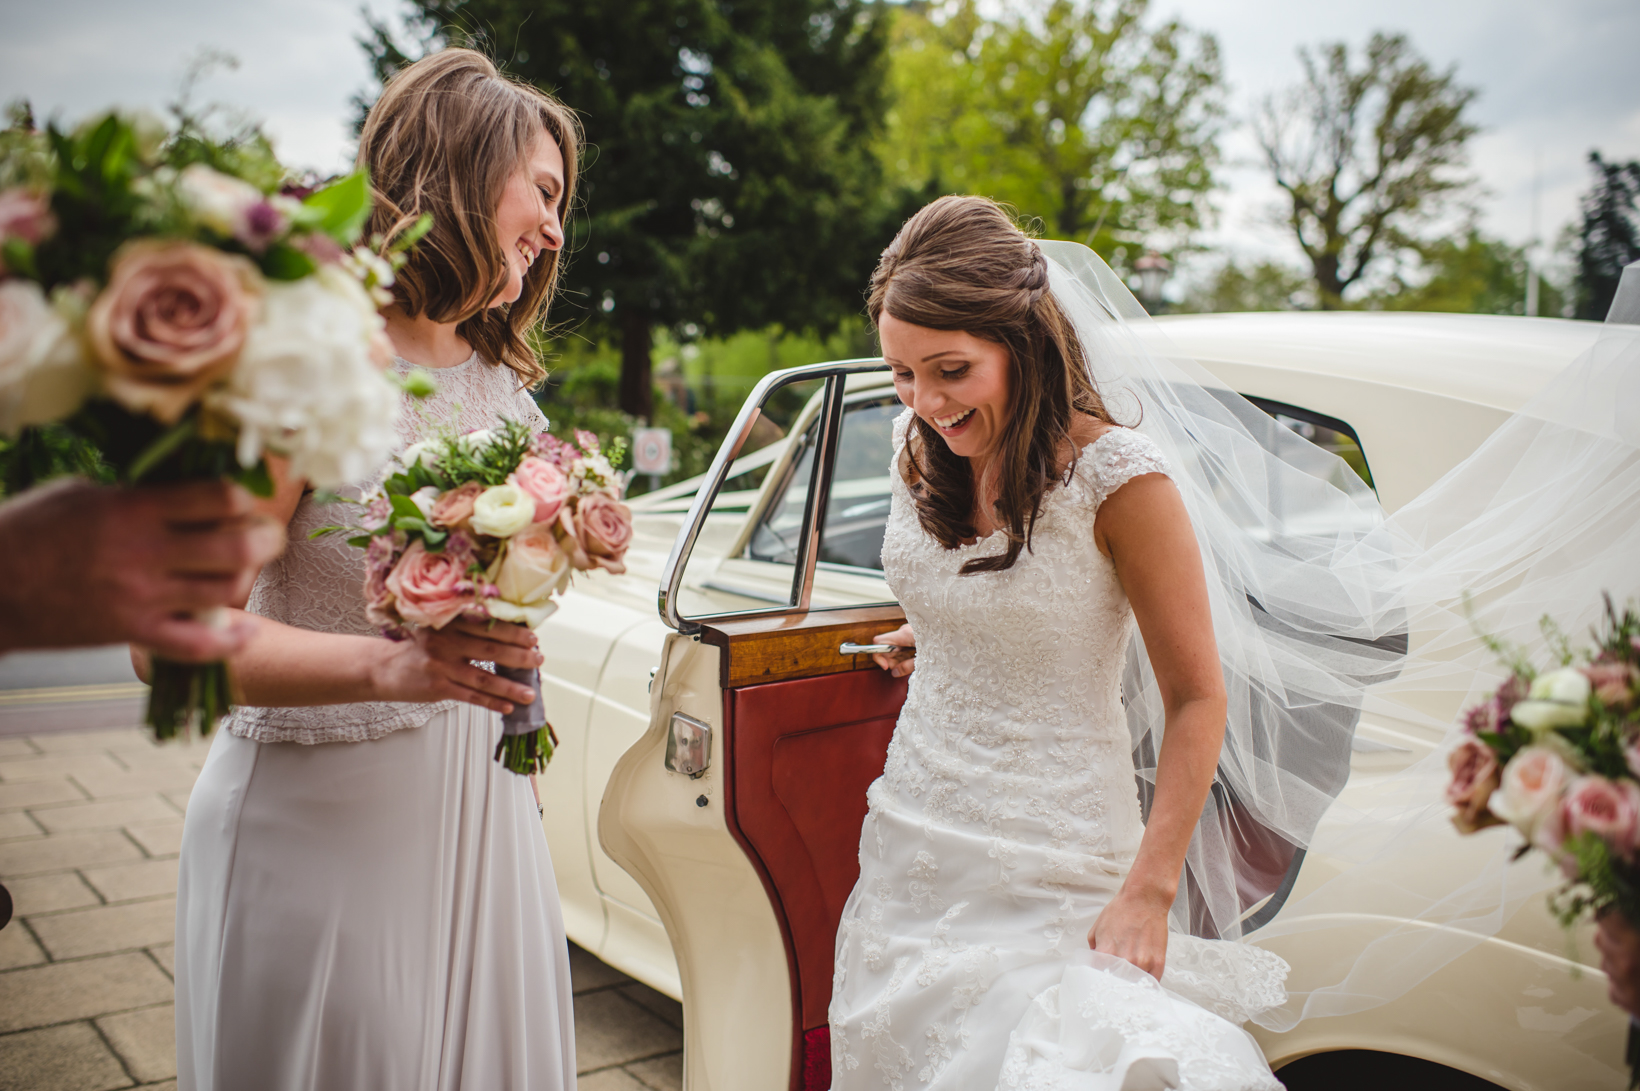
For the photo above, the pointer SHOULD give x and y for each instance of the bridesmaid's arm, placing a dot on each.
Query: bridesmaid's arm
(1144, 529)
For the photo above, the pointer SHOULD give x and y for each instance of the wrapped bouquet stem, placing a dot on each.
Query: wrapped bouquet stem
(491, 524)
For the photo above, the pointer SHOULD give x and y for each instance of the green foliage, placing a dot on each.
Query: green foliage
(42, 453)
(1609, 235)
(1263, 286)
(488, 463)
(1469, 274)
(729, 181)
(1078, 114)
(1367, 155)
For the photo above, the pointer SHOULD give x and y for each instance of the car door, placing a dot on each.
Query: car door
(738, 813)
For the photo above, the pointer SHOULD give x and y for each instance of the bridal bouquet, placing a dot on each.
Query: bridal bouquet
(1556, 755)
(162, 299)
(491, 524)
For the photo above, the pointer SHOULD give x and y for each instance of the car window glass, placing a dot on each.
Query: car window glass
(1328, 433)
(857, 506)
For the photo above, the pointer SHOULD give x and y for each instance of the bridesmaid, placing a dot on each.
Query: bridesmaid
(366, 899)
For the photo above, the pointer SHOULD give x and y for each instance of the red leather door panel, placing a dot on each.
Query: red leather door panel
(799, 756)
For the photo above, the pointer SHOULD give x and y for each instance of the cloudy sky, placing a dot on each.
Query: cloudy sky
(1556, 79)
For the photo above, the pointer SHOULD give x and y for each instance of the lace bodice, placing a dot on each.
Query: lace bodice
(1017, 691)
(318, 583)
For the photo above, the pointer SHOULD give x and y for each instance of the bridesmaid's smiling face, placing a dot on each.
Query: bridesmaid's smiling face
(955, 381)
(530, 215)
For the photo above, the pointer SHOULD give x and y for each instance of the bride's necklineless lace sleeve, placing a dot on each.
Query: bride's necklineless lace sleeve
(318, 584)
(1117, 457)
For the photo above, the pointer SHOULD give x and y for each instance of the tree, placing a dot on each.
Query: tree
(1366, 156)
(729, 182)
(1610, 235)
(1075, 113)
(1265, 286)
(1471, 274)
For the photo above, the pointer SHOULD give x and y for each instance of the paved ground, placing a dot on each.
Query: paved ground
(90, 824)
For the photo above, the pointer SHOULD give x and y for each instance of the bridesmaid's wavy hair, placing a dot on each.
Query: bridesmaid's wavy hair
(962, 264)
(446, 135)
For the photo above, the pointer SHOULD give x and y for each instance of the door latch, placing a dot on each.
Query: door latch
(688, 745)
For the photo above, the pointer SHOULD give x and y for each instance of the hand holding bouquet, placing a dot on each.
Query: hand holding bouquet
(1556, 755)
(491, 524)
(164, 300)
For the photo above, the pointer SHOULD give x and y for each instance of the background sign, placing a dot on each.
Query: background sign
(652, 450)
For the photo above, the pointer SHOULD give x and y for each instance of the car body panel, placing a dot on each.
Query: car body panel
(667, 893)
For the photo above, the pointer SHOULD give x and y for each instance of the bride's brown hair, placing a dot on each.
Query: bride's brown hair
(445, 136)
(962, 264)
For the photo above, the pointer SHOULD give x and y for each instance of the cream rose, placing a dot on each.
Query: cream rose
(43, 372)
(1530, 789)
(1557, 699)
(171, 323)
(530, 570)
(502, 511)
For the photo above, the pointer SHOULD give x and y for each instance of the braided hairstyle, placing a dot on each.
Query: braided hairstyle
(962, 264)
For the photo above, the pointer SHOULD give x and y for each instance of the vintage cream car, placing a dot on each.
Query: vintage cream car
(705, 805)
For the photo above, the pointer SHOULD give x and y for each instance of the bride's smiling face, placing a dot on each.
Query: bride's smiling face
(530, 218)
(955, 381)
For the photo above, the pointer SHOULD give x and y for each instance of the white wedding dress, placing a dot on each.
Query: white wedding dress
(366, 901)
(1006, 818)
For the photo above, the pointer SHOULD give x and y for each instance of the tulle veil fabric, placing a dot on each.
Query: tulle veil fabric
(1326, 610)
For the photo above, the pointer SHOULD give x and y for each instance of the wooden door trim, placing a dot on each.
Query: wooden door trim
(781, 647)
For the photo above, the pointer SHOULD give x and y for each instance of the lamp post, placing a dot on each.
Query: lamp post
(1153, 270)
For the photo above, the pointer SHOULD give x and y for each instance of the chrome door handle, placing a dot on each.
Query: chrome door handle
(870, 649)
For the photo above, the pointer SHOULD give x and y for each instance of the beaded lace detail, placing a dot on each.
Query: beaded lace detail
(318, 584)
(1005, 820)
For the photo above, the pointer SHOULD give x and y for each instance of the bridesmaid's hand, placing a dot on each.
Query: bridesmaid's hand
(437, 665)
(1133, 927)
(898, 664)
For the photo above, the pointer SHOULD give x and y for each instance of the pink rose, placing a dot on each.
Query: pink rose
(600, 532)
(171, 323)
(26, 215)
(545, 484)
(1608, 809)
(1474, 778)
(1530, 789)
(455, 508)
(1614, 683)
(432, 588)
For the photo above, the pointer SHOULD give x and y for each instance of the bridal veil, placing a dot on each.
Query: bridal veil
(1325, 611)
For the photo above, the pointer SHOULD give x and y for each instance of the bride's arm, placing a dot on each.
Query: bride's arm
(1144, 528)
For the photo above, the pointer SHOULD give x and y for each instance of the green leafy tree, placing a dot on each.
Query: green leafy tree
(1263, 286)
(1469, 274)
(1077, 113)
(1609, 236)
(731, 182)
(1367, 155)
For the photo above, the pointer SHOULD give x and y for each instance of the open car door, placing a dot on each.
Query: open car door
(739, 812)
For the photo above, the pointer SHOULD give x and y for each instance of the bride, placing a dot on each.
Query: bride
(1010, 927)
(365, 897)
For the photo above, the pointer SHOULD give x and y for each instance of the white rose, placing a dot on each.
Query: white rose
(305, 386)
(478, 439)
(44, 375)
(530, 570)
(424, 498)
(502, 511)
(1557, 699)
(425, 451)
(220, 202)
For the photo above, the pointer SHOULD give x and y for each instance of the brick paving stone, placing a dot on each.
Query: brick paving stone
(105, 815)
(611, 1030)
(57, 992)
(145, 1040)
(661, 1073)
(610, 1079)
(53, 766)
(107, 928)
(661, 1006)
(166, 955)
(32, 793)
(18, 824)
(65, 851)
(135, 782)
(123, 882)
(179, 798)
(70, 1058)
(587, 971)
(65, 742)
(17, 947)
(49, 893)
(16, 748)
(160, 838)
